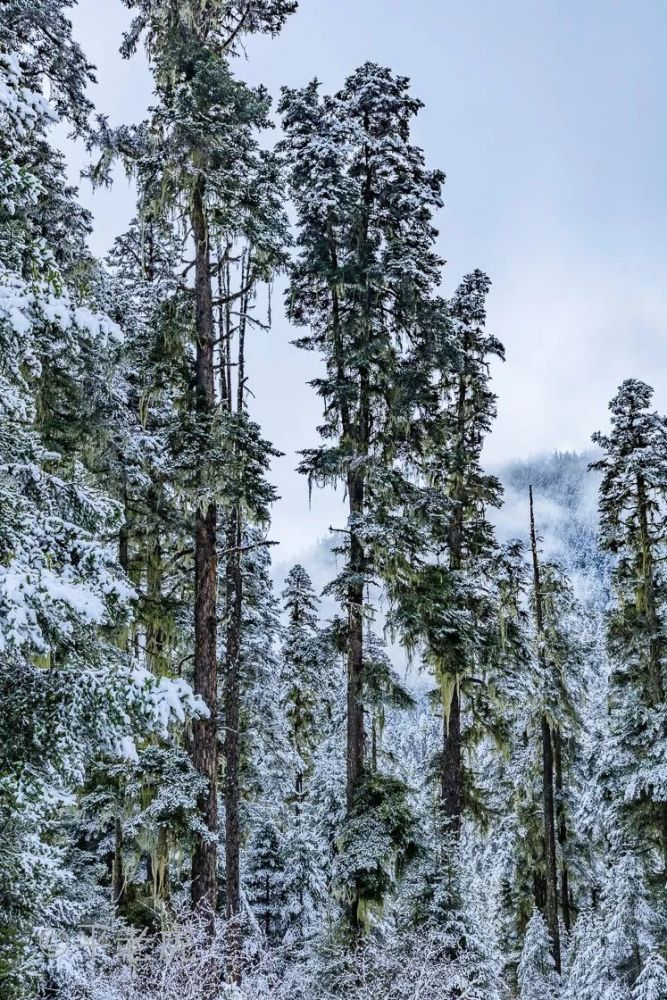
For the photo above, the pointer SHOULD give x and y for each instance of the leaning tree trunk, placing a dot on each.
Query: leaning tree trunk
(550, 863)
(204, 734)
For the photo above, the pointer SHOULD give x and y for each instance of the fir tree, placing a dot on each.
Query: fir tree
(453, 607)
(632, 926)
(138, 459)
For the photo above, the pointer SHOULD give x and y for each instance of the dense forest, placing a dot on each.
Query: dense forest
(442, 778)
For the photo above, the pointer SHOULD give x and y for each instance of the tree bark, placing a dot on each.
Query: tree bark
(232, 699)
(232, 695)
(452, 750)
(550, 863)
(452, 767)
(562, 833)
(118, 873)
(204, 731)
(355, 666)
(656, 687)
(550, 841)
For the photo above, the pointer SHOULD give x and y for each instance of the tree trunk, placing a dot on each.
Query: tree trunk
(118, 873)
(550, 841)
(204, 731)
(356, 737)
(656, 687)
(550, 863)
(355, 667)
(562, 833)
(452, 767)
(452, 751)
(234, 585)
(161, 887)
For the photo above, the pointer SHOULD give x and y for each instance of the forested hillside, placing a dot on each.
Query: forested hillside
(442, 777)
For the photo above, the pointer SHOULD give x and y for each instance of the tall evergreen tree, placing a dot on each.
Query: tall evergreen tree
(304, 679)
(633, 529)
(548, 769)
(363, 282)
(72, 691)
(198, 160)
(138, 460)
(453, 607)
(468, 416)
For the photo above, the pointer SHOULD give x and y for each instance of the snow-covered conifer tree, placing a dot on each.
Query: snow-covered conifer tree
(71, 691)
(363, 284)
(538, 979)
(198, 161)
(632, 524)
(652, 981)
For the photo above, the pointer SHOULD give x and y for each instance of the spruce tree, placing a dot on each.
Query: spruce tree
(548, 732)
(452, 608)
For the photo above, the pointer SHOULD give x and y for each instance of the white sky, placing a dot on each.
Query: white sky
(548, 119)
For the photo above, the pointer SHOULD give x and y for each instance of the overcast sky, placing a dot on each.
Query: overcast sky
(547, 116)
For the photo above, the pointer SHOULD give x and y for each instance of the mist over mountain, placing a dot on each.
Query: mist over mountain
(565, 492)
